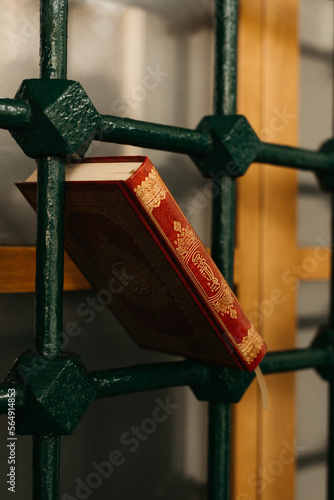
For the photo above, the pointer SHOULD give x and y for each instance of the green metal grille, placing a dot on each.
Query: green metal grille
(35, 118)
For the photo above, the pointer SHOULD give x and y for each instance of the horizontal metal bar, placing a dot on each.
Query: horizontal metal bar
(148, 377)
(161, 375)
(302, 159)
(4, 397)
(141, 378)
(297, 359)
(14, 114)
(195, 142)
(154, 136)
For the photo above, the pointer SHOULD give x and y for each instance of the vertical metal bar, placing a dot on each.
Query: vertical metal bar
(225, 103)
(219, 451)
(53, 45)
(49, 251)
(46, 458)
(49, 256)
(223, 234)
(330, 460)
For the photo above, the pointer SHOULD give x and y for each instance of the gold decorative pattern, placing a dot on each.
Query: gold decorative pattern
(206, 271)
(151, 191)
(224, 303)
(185, 239)
(251, 345)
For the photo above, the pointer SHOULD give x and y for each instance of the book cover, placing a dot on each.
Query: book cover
(131, 240)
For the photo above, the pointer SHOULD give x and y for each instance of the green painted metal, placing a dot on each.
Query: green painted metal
(53, 41)
(235, 146)
(148, 377)
(154, 136)
(64, 119)
(325, 340)
(330, 452)
(49, 245)
(14, 114)
(222, 237)
(329, 332)
(225, 104)
(224, 386)
(303, 159)
(298, 359)
(19, 402)
(57, 393)
(209, 382)
(46, 466)
(200, 144)
(53, 119)
(326, 177)
(49, 256)
(219, 451)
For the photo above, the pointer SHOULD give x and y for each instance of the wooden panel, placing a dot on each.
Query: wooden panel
(279, 227)
(246, 414)
(17, 271)
(312, 263)
(266, 239)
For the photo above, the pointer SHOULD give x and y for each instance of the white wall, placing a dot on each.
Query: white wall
(316, 118)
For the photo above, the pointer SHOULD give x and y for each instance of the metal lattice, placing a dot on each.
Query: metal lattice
(35, 119)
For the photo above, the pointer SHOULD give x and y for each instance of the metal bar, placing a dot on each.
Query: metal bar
(297, 359)
(14, 114)
(161, 375)
(4, 397)
(120, 381)
(330, 454)
(50, 245)
(219, 451)
(331, 306)
(46, 465)
(154, 136)
(225, 104)
(222, 239)
(49, 256)
(330, 451)
(53, 63)
(148, 377)
(302, 159)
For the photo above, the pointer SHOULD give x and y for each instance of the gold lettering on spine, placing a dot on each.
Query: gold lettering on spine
(206, 271)
(151, 191)
(187, 247)
(251, 345)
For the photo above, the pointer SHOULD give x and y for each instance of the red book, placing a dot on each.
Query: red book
(131, 240)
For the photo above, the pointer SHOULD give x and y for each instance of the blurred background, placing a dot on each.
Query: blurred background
(113, 46)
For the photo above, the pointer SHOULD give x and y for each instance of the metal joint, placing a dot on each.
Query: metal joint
(63, 121)
(235, 146)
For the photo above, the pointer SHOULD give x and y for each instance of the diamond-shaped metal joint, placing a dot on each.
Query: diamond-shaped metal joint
(64, 119)
(235, 146)
(326, 179)
(325, 339)
(57, 393)
(225, 385)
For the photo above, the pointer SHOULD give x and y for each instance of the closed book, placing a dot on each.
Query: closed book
(128, 236)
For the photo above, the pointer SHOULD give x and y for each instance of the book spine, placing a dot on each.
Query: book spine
(204, 281)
